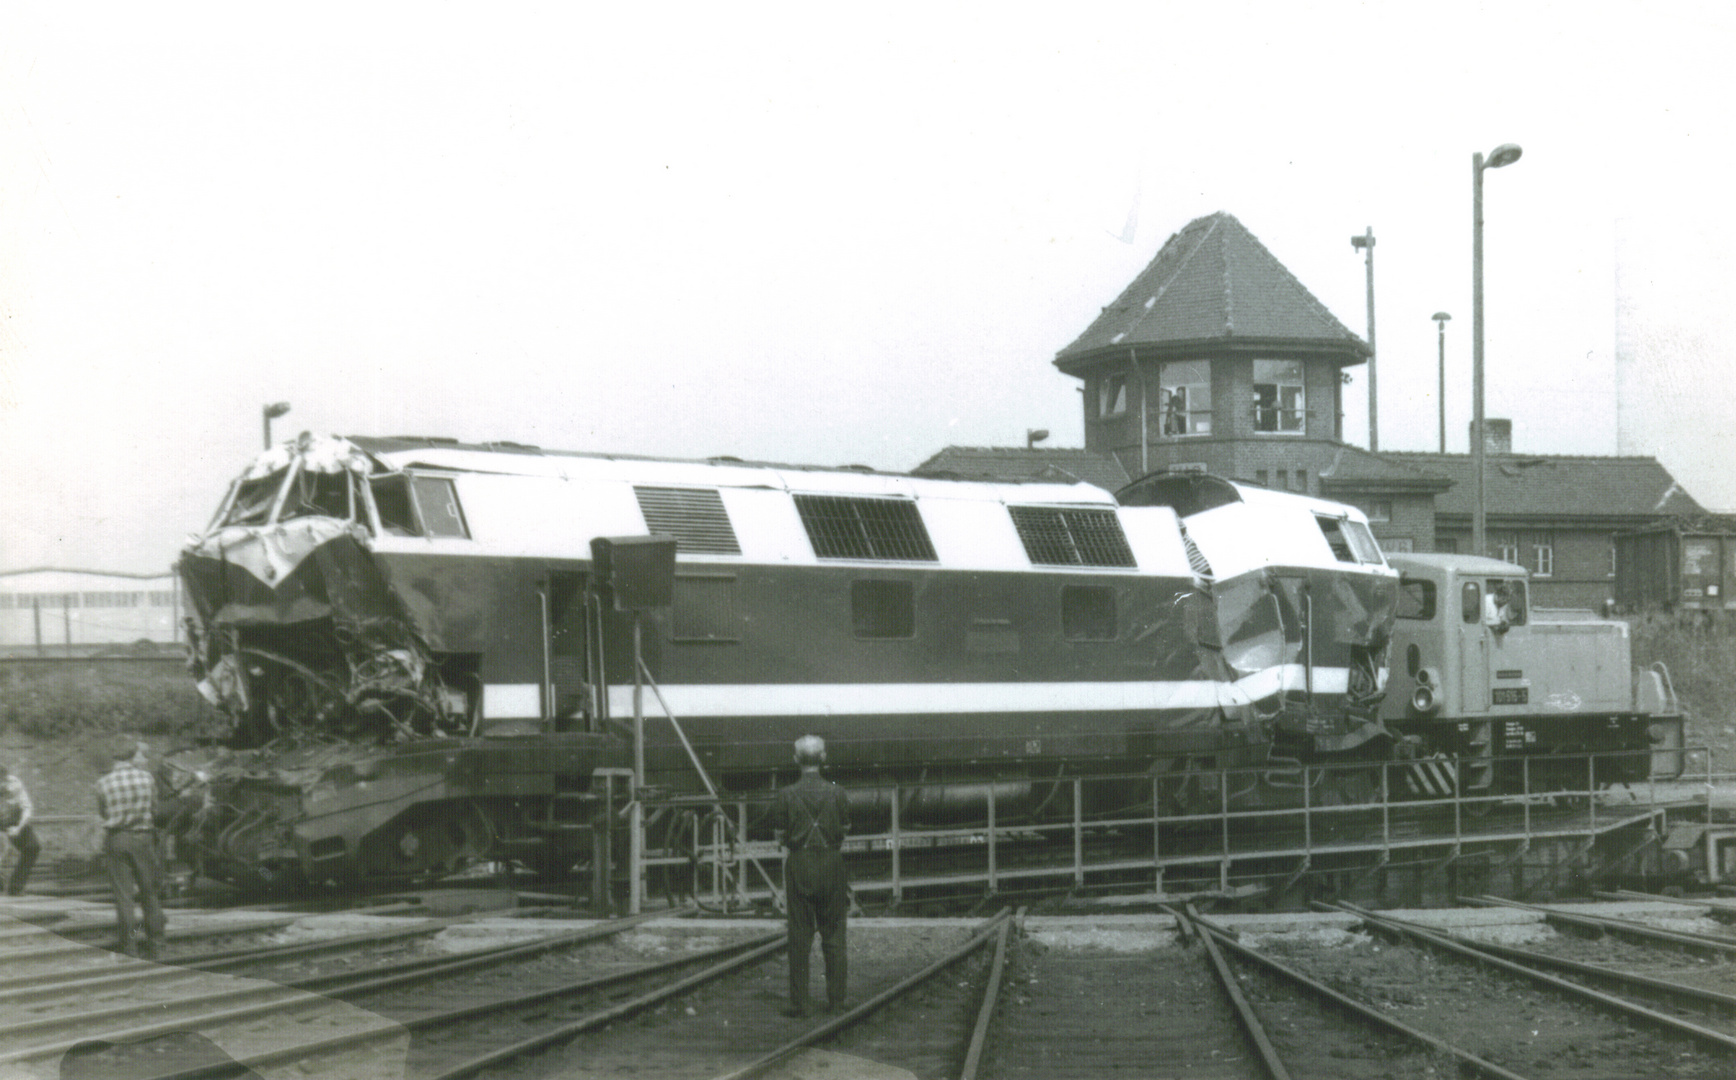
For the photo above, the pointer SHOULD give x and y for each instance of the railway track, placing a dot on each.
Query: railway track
(972, 1002)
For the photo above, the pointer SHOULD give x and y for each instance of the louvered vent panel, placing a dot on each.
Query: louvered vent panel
(694, 516)
(1071, 537)
(889, 530)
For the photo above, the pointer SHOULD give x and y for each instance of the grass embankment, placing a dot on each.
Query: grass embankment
(46, 699)
(1700, 654)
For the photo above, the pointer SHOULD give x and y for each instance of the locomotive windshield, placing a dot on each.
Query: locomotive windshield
(1416, 598)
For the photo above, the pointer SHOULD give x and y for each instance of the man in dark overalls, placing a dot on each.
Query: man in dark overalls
(812, 817)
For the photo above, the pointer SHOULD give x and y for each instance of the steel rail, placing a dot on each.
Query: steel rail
(1586, 993)
(1227, 938)
(294, 1054)
(1586, 970)
(137, 970)
(299, 992)
(986, 1011)
(839, 1023)
(1245, 1014)
(1714, 905)
(608, 1016)
(1610, 924)
(185, 933)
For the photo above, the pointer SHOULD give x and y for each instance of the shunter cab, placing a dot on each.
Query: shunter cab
(1479, 673)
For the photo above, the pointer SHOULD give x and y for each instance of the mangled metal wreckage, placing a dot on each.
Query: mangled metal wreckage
(351, 754)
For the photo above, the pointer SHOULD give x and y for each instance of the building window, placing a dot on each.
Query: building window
(1302, 481)
(1504, 546)
(1378, 509)
(1390, 544)
(1112, 395)
(1543, 559)
(1279, 402)
(1447, 545)
(1612, 558)
(1283, 479)
(1185, 397)
(1261, 477)
(1088, 613)
(883, 609)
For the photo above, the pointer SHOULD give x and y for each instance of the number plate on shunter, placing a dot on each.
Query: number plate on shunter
(1512, 695)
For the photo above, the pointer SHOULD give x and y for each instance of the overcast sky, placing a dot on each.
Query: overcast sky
(805, 235)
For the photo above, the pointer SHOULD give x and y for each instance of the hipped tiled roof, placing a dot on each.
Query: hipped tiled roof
(1354, 468)
(1003, 463)
(1551, 486)
(1213, 282)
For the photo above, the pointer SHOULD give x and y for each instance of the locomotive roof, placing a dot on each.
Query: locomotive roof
(517, 460)
(1465, 564)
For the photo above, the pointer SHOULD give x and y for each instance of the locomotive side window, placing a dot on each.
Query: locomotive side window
(883, 609)
(437, 498)
(1088, 612)
(1471, 602)
(841, 527)
(1416, 598)
(1071, 537)
(704, 609)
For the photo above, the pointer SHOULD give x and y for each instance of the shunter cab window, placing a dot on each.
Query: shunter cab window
(1514, 599)
(1471, 602)
(1416, 598)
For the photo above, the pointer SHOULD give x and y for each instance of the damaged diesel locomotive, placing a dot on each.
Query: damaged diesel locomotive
(423, 668)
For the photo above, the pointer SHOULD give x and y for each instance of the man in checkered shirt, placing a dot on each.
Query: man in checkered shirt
(127, 800)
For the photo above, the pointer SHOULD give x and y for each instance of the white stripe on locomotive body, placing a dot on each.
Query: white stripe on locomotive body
(851, 699)
(552, 512)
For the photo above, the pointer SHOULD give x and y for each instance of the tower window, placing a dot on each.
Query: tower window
(1112, 395)
(1185, 397)
(1279, 399)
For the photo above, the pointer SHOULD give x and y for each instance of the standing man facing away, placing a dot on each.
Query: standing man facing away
(812, 817)
(15, 814)
(127, 800)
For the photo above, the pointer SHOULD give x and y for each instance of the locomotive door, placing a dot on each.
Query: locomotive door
(1473, 650)
(573, 692)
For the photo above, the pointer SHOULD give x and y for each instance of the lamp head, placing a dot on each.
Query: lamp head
(1505, 154)
(1033, 436)
(275, 410)
(1441, 317)
(1362, 241)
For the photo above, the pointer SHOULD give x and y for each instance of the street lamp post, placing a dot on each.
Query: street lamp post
(267, 413)
(1505, 154)
(1365, 244)
(1441, 319)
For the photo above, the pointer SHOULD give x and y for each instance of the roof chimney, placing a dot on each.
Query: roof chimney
(1497, 436)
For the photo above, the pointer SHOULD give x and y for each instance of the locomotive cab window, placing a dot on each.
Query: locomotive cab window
(1416, 598)
(392, 502)
(1349, 540)
(883, 609)
(1088, 612)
